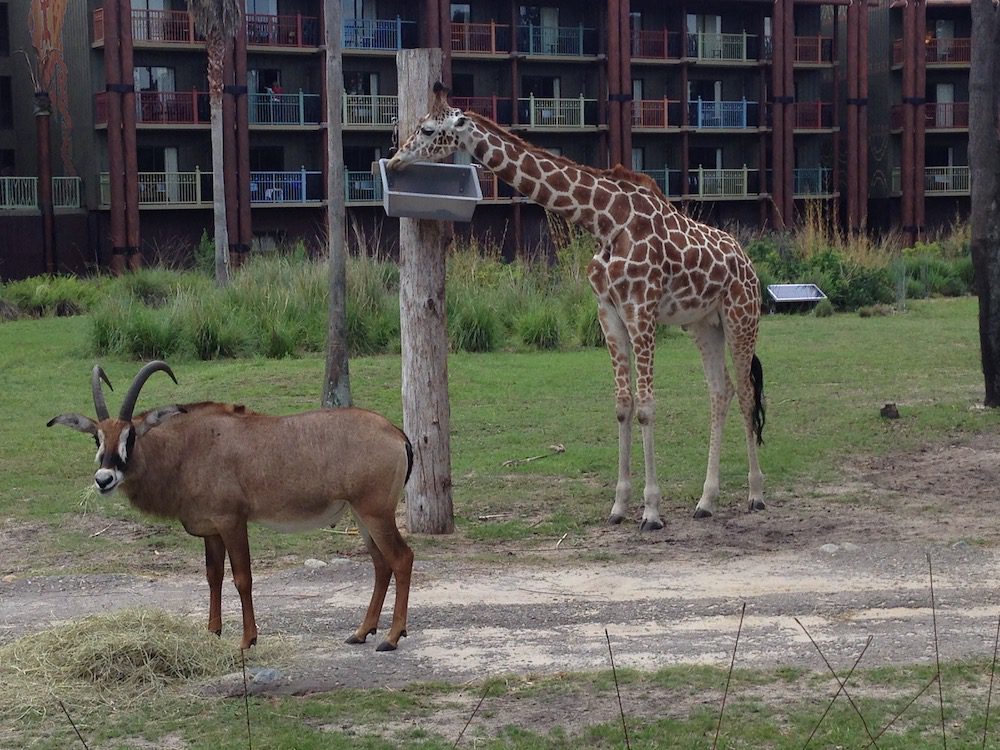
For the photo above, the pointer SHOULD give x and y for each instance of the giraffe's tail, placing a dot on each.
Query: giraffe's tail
(759, 417)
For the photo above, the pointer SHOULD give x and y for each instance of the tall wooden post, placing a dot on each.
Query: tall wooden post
(133, 240)
(43, 112)
(423, 325)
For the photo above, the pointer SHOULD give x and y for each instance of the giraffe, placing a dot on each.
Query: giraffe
(653, 265)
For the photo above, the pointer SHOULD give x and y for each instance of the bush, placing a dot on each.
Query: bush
(474, 326)
(39, 296)
(823, 309)
(540, 327)
(588, 326)
(149, 334)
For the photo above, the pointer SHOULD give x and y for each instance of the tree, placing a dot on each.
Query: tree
(217, 21)
(337, 381)
(984, 160)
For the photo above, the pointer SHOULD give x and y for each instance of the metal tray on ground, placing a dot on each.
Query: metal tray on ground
(791, 297)
(427, 190)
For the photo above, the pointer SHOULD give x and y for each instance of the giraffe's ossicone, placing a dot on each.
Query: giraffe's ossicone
(653, 265)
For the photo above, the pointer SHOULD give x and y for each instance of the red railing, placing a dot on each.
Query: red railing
(813, 115)
(654, 113)
(486, 38)
(162, 107)
(283, 31)
(164, 26)
(937, 115)
(944, 51)
(488, 183)
(813, 49)
(496, 108)
(657, 44)
(99, 25)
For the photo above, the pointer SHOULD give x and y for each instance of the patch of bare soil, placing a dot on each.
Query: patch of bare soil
(847, 561)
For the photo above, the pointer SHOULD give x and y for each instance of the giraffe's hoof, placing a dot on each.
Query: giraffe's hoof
(614, 519)
(756, 505)
(650, 525)
(702, 513)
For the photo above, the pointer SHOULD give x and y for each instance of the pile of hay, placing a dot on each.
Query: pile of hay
(119, 659)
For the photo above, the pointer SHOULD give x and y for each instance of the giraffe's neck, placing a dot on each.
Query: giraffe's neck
(556, 184)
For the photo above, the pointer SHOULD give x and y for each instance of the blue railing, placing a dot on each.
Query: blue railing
(733, 115)
(813, 181)
(285, 109)
(668, 180)
(361, 186)
(286, 187)
(556, 40)
(374, 34)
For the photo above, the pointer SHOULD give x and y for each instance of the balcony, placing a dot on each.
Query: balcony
(557, 41)
(194, 189)
(498, 109)
(283, 31)
(736, 115)
(937, 181)
(724, 183)
(369, 111)
(169, 27)
(656, 45)
(814, 50)
(21, 193)
(373, 35)
(285, 109)
(656, 114)
(813, 115)
(942, 52)
(161, 108)
(812, 182)
(480, 38)
(668, 180)
(557, 114)
(937, 116)
(723, 48)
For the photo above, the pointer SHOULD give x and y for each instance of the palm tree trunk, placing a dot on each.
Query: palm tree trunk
(216, 56)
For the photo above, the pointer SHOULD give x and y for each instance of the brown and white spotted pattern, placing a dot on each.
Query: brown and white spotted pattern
(654, 265)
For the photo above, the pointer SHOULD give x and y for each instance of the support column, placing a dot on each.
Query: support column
(778, 117)
(43, 119)
(423, 326)
(133, 242)
(919, 116)
(625, 47)
(614, 85)
(116, 157)
(788, 179)
(863, 180)
(907, 152)
(853, 11)
(245, 220)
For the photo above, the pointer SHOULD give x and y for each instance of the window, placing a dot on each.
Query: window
(354, 9)
(262, 7)
(360, 82)
(153, 79)
(638, 159)
(6, 162)
(6, 103)
(267, 159)
(461, 84)
(461, 13)
(4, 31)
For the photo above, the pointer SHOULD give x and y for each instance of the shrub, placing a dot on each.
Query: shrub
(588, 326)
(474, 326)
(211, 328)
(823, 309)
(204, 255)
(149, 334)
(539, 327)
(38, 296)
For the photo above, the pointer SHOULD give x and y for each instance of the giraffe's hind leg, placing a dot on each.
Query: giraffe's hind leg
(620, 349)
(710, 339)
(749, 390)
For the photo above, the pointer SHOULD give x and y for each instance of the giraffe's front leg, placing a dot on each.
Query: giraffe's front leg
(644, 342)
(620, 350)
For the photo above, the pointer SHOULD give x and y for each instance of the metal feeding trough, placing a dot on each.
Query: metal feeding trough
(426, 190)
(794, 296)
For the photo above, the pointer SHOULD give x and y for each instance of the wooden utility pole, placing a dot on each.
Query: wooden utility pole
(337, 381)
(423, 325)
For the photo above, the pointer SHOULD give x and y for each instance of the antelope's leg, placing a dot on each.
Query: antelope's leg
(215, 568)
(620, 349)
(382, 575)
(399, 556)
(238, 546)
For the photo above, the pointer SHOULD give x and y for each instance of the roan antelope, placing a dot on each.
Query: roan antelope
(217, 466)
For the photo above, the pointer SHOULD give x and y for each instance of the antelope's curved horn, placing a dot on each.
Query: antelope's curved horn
(100, 405)
(128, 404)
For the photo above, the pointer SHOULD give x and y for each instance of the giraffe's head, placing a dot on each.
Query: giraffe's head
(438, 135)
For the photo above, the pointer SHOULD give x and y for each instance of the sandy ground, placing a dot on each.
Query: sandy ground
(848, 561)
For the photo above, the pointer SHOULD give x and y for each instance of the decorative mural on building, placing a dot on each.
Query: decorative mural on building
(45, 24)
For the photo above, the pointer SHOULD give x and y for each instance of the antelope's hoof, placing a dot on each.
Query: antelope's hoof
(217, 631)
(648, 525)
(614, 519)
(387, 646)
(247, 645)
(702, 513)
(355, 638)
(757, 505)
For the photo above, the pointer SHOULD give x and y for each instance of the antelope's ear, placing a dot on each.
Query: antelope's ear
(156, 417)
(76, 422)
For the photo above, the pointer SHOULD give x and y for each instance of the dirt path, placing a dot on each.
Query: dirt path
(848, 561)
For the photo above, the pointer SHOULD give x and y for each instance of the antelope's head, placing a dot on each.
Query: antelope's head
(438, 135)
(116, 438)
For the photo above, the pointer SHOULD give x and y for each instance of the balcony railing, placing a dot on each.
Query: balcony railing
(813, 49)
(937, 180)
(285, 109)
(813, 115)
(19, 193)
(283, 31)
(656, 113)
(813, 181)
(557, 113)
(186, 189)
(480, 38)
(369, 110)
(723, 183)
(656, 45)
(937, 116)
(496, 108)
(735, 115)
(668, 180)
(161, 107)
(723, 47)
(174, 26)
(942, 51)
(556, 40)
(374, 34)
